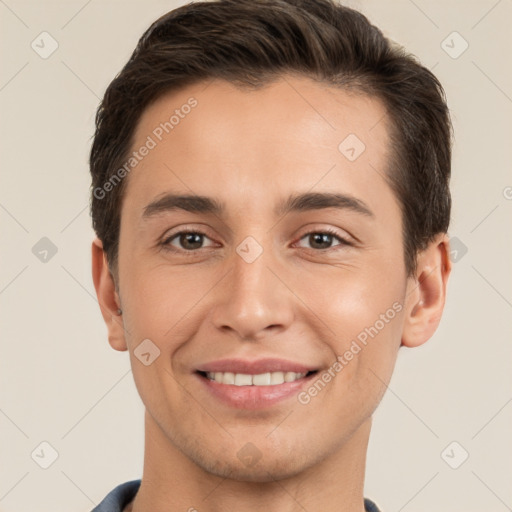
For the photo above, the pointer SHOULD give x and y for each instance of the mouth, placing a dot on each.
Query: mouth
(259, 379)
(253, 391)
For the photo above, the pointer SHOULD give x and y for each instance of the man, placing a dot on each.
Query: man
(270, 195)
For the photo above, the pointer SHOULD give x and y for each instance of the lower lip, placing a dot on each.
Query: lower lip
(254, 397)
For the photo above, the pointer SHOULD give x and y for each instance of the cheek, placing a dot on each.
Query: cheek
(353, 298)
(363, 318)
(362, 311)
(161, 304)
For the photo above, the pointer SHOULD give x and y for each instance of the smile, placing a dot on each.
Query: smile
(253, 391)
(260, 379)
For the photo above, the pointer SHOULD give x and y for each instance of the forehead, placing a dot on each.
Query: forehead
(246, 145)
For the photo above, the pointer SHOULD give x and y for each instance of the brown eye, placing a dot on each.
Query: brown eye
(190, 241)
(322, 240)
(185, 241)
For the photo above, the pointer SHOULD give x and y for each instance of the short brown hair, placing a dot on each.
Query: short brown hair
(250, 43)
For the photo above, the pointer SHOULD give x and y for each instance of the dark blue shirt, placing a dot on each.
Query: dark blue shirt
(118, 498)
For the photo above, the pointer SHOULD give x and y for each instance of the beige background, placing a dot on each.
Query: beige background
(60, 382)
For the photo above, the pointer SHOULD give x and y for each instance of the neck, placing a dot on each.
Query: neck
(172, 482)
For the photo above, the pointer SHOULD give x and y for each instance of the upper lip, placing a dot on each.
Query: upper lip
(254, 367)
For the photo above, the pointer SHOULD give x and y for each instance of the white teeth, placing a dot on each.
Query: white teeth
(225, 378)
(276, 377)
(241, 379)
(261, 379)
(290, 376)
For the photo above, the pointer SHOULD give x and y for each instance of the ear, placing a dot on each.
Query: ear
(108, 297)
(426, 292)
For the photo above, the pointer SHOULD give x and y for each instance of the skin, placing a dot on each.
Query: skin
(299, 300)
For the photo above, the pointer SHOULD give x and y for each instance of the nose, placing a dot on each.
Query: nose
(254, 300)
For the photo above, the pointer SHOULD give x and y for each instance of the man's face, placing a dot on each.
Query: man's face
(308, 285)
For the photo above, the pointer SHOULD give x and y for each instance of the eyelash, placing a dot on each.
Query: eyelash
(327, 231)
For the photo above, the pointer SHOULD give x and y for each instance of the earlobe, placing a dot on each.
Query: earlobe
(426, 293)
(108, 297)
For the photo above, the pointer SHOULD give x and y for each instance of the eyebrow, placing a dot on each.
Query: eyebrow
(294, 203)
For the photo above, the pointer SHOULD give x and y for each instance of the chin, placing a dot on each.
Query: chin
(257, 459)
(263, 471)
